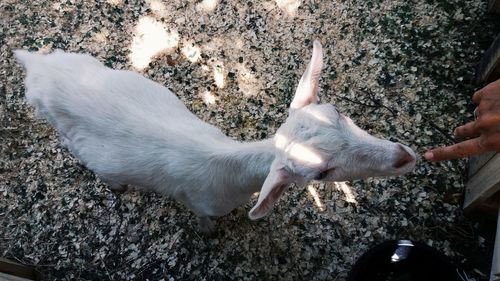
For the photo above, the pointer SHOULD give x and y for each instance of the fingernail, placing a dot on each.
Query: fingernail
(429, 155)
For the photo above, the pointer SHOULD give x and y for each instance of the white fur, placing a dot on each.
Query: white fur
(132, 131)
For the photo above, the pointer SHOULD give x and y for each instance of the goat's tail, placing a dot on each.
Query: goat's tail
(34, 64)
(28, 59)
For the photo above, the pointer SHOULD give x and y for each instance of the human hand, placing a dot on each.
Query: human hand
(483, 133)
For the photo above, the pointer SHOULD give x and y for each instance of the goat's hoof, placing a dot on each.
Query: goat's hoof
(206, 225)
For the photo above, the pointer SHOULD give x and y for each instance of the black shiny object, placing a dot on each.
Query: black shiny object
(403, 260)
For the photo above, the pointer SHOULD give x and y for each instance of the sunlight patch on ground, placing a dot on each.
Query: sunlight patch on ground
(231, 41)
(289, 6)
(347, 190)
(56, 6)
(150, 39)
(218, 70)
(214, 45)
(317, 201)
(191, 52)
(248, 82)
(255, 195)
(101, 36)
(115, 2)
(207, 5)
(208, 98)
(45, 49)
(158, 8)
(239, 43)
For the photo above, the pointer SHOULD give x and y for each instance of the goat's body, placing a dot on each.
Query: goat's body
(131, 130)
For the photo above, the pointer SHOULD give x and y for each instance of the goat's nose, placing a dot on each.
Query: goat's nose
(403, 157)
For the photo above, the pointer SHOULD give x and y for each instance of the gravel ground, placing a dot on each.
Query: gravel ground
(402, 70)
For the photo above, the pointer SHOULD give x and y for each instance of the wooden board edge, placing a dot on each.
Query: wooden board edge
(489, 63)
(8, 277)
(495, 265)
(494, 6)
(17, 269)
(477, 162)
(483, 185)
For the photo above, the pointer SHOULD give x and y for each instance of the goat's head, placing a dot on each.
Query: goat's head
(317, 142)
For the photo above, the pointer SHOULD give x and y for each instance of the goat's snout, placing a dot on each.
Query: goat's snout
(403, 157)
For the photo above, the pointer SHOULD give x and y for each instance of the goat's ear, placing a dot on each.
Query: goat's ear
(276, 182)
(307, 90)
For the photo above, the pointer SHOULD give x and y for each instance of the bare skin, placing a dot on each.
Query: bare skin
(482, 134)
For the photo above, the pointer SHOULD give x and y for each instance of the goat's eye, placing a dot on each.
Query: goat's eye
(321, 175)
(324, 174)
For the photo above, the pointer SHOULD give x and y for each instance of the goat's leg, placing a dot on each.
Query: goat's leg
(206, 224)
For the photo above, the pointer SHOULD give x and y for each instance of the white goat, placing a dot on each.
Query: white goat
(132, 131)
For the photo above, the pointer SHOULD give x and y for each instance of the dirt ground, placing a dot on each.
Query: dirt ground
(402, 70)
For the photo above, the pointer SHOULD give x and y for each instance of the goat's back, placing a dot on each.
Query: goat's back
(118, 123)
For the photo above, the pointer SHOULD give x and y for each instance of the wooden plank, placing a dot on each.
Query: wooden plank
(489, 66)
(16, 269)
(8, 277)
(477, 162)
(490, 206)
(495, 265)
(494, 6)
(483, 185)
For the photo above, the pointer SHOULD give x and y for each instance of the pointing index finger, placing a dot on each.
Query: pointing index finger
(459, 150)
